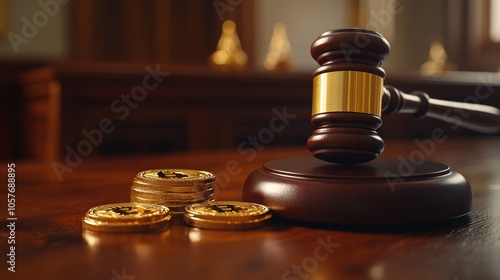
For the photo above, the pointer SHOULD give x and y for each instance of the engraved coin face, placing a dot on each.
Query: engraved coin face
(175, 176)
(127, 211)
(227, 210)
(227, 215)
(126, 217)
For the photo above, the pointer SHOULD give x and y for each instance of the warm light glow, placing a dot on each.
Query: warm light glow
(437, 52)
(194, 235)
(229, 53)
(143, 251)
(90, 238)
(278, 57)
(495, 20)
(436, 63)
(377, 272)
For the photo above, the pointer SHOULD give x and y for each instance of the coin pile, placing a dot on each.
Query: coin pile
(126, 217)
(173, 188)
(228, 215)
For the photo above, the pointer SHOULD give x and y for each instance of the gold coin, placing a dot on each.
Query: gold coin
(174, 177)
(227, 210)
(227, 225)
(189, 187)
(171, 195)
(169, 202)
(126, 217)
(93, 225)
(127, 212)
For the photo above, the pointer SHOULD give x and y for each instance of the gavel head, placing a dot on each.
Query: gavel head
(347, 95)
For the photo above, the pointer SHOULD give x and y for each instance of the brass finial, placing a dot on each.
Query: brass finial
(436, 63)
(278, 57)
(229, 54)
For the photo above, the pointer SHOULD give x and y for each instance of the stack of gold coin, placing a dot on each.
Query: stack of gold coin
(227, 215)
(126, 217)
(174, 188)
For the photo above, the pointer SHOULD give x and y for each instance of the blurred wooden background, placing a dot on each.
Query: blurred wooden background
(49, 103)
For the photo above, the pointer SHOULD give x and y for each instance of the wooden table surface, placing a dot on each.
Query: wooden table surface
(50, 244)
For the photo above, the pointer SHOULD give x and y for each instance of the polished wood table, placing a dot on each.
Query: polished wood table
(50, 244)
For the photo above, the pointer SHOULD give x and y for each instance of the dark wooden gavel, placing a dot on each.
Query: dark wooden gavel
(349, 98)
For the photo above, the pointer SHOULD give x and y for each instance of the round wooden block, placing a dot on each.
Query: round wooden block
(381, 192)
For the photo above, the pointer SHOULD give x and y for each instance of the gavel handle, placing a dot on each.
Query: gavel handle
(481, 118)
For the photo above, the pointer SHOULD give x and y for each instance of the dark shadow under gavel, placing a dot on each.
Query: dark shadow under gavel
(345, 183)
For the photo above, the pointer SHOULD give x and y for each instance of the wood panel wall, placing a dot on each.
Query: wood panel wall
(193, 108)
(196, 108)
(167, 31)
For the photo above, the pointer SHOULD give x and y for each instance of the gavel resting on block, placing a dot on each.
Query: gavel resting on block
(345, 183)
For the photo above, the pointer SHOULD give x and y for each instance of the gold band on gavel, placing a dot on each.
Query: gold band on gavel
(347, 91)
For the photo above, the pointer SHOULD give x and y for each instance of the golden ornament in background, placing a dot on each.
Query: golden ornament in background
(229, 54)
(279, 58)
(436, 63)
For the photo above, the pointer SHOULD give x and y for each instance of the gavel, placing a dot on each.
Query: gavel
(339, 184)
(349, 98)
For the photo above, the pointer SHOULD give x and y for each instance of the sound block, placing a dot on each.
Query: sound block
(382, 192)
